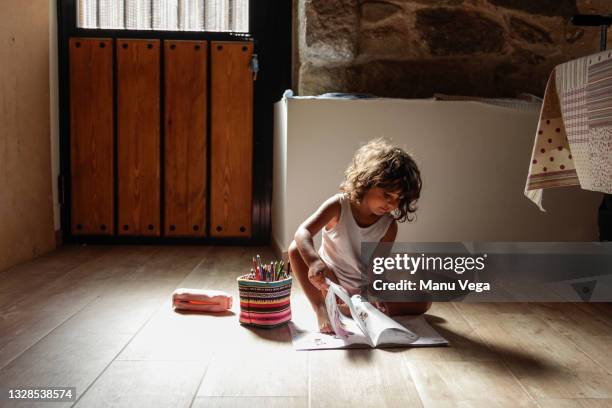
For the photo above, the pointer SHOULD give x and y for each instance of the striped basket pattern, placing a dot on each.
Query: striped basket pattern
(264, 304)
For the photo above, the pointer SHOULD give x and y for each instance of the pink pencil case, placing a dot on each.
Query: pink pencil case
(201, 300)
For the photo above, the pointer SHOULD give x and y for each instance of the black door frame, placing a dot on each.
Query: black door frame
(270, 24)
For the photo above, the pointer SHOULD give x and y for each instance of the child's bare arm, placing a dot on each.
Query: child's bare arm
(317, 269)
(389, 237)
(382, 250)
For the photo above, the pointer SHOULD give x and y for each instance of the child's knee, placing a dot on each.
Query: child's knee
(294, 253)
(296, 263)
(292, 248)
(406, 308)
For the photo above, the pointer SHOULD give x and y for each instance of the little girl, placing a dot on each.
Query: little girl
(381, 187)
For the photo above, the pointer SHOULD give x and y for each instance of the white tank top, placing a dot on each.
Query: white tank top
(341, 246)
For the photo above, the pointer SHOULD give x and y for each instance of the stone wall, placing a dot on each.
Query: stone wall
(414, 48)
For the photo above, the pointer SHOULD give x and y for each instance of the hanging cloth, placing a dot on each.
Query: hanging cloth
(573, 143)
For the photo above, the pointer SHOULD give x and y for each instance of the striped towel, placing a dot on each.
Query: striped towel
(573, 144)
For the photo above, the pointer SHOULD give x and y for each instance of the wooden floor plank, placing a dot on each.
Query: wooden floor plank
(457, 383)
(117, 310)
(604, 309)
(260, 362)
(63, 359)
(21, 281)
(575, 403)
(467, 310)
(131, 298)
(42, 310)
(573, 319)
(465, 343)
(597, 348)
(122, 308)
(175, 264)
(584, 325)
(79, 284)
(67, 256)
(567, 384)
(547, 363)
(251, 402)
(136, 384)
(171, 336)
(360, 378)
(528, 336)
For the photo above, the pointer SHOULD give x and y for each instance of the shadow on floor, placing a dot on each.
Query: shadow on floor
(226, 313)
(277, 334)
(527, 361)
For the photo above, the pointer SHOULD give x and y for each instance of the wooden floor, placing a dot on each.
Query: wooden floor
(100, 319)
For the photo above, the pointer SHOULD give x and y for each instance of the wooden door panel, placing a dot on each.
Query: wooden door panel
(91, 136)
(138, 136)
(185, 77)
(231, 139)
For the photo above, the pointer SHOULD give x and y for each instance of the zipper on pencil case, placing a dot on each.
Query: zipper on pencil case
(195, 302)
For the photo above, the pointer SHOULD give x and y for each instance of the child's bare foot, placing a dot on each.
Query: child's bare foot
(323, 319)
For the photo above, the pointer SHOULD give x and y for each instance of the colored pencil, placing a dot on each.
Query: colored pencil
(272, 272)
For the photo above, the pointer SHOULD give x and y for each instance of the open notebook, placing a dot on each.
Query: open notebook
(368, 327)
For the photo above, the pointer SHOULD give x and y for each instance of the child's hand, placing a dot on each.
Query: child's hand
(317, 273)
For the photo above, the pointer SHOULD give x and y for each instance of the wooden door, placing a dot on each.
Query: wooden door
(138, 136)
(231, 139)
(185, 105)
(91, 136)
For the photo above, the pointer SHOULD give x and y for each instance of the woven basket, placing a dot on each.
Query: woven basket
(264, 304)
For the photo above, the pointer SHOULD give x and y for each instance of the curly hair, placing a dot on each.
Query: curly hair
(381, 164)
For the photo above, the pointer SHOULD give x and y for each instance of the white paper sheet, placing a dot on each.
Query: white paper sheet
(304, 339)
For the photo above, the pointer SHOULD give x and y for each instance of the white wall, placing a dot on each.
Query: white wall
(473, 158)
(279, 178)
